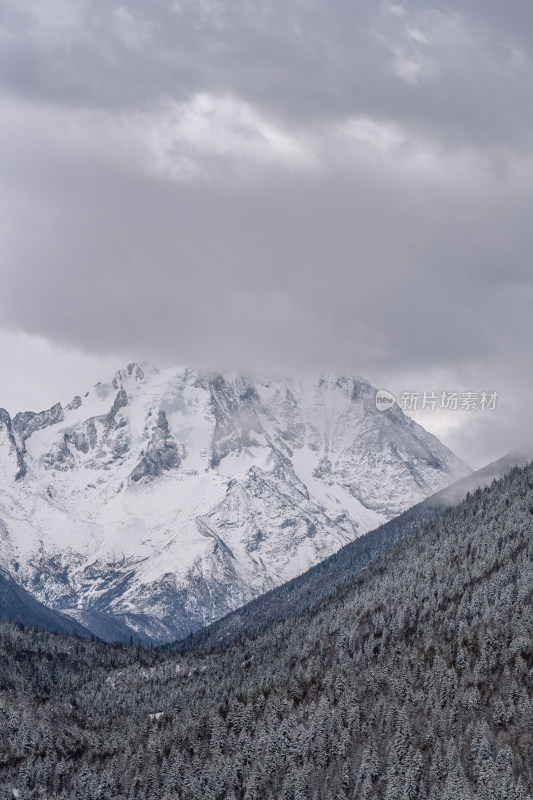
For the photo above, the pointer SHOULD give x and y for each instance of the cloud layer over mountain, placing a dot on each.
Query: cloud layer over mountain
(283, 185)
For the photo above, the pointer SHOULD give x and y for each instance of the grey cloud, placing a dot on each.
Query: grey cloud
(300, 60)
(201, 259)
(279, 185)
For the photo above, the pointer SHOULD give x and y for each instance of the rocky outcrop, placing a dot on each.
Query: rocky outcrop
(74, 404)
(161, 453)
(11, 457)
(235, 410)
(27, 422)
(60, 456)
(104, 439)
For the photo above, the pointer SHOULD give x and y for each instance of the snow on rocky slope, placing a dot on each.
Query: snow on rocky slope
(167, 498)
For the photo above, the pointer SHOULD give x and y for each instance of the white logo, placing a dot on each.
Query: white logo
(384, 400)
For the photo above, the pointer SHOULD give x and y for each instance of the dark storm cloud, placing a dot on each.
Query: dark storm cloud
(279, 184)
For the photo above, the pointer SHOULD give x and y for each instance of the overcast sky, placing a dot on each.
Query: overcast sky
(288, 185)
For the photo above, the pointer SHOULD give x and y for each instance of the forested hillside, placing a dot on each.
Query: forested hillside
(414, 681)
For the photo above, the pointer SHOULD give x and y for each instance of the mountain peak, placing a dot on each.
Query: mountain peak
(134, 372)
(170, 496)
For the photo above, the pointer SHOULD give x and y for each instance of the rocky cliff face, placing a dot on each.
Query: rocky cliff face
(167, 498)
(161, 453)
(28, 422)
(12, 465)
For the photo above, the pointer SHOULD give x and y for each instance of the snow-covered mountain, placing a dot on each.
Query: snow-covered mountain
(167, 498)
